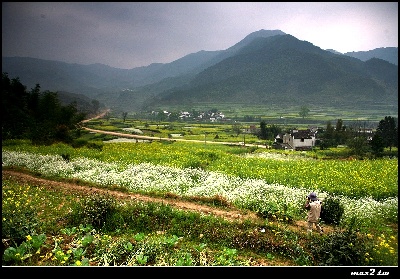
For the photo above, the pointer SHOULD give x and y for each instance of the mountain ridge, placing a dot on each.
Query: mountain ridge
(266, 66)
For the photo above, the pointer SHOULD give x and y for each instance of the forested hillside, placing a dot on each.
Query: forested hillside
(267, 67)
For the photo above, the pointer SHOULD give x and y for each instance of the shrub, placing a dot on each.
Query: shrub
(79, 143)
(18, 224)
(344, 247)
(93, 210)
(95, 145)
(332, 211)
(66, 157)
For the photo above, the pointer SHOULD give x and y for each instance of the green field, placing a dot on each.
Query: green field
(270, 183)
(273, 114)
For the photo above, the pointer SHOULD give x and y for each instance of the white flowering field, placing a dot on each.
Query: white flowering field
(367, 188)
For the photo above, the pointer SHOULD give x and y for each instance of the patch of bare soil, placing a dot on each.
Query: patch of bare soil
(226, 213)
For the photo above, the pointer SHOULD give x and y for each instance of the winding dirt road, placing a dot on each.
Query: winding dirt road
(229, 214)
(232, 215)
(124, 135)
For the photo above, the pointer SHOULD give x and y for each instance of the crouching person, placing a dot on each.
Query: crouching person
(314, 206)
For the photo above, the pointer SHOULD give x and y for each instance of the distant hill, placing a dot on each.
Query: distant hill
(83, 103)
(267, 67)
(283, 70)
(389, 54)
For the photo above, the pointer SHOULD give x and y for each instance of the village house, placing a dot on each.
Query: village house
(252, 129)
(296, 140)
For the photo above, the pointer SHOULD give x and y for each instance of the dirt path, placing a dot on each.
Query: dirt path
(232, 215)
(124, 135)
(229, 214)
(226, 213)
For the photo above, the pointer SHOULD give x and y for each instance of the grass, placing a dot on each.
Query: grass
(106, 225)
(76, 229)
(289, 115)
(72, 228)
(156, 232)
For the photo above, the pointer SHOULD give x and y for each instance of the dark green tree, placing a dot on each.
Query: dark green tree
(15, 120)
(124, 115)
(173, 116)
(328, 136)
(38, 116)
(263, 130)
(341, 135)
(273, 131)
(339, 125)
(388, 128)
(248, 118)
(358, 145)
(377, 144)
(304, 111)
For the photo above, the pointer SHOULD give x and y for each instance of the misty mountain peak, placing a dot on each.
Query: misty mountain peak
(264, 33)
(257, 34)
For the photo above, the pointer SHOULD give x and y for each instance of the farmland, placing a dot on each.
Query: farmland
(272, 184)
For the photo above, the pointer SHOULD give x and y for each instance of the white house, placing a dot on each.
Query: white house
(296, 140)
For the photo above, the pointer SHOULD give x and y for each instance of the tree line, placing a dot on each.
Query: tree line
(40, 117)
(358, 139)
(36, 115)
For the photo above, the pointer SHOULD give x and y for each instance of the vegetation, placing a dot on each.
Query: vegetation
(121, 232)
(278, 205)
(359, 193)
(38, 116)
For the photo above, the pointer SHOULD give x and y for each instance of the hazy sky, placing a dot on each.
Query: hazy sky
(133, 34)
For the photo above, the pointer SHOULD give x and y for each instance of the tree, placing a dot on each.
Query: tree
(248, 118)
(387, 129)
(341, 135)
(274, 130)
(124, 115)
(304, 111)
(357, 145)
(328, 136)
(236, 127)
(377, 144)
(339, 125)
(263, 130)
(15, 120)
(38, 116)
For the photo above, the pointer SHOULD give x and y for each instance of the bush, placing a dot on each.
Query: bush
(93, 210)
(95, 145)
(79, 143)
(332, 211)
(344, 247)
(17, 224)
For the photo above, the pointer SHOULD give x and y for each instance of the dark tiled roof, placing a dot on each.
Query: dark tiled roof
(302, 134)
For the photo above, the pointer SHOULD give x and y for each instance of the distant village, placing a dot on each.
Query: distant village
(295, 139)
(211, 115)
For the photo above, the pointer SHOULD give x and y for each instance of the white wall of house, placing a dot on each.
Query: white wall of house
(303, 142)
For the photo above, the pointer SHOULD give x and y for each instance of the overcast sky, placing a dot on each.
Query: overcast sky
(133, 34)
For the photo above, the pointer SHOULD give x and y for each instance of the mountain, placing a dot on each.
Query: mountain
(267, 67)
(282, 70)
(389, 54)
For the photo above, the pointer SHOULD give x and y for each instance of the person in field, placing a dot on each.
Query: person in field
(314, 206)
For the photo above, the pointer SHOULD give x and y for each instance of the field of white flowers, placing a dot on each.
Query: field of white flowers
(247, 193)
